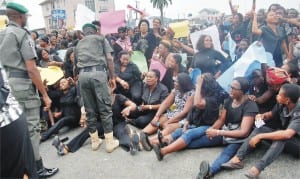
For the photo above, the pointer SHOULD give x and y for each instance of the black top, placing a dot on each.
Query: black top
(272, 43)
(157, 96)
(239, 32)
(207, 116)
(68, 68)
(209, 61)
(268, 105)
(69, 104)
(235, 115)
(131, 73)
(151, 39)
(168, 79)
(287, 120)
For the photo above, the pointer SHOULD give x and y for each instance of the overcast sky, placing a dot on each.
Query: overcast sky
(178, 9)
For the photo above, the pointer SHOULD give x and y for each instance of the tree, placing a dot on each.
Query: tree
(161, 4)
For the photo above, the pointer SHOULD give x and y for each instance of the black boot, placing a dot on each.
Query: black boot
(45, 172)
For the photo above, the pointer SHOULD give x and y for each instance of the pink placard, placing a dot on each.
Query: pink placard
(110, 21)
(155, 64)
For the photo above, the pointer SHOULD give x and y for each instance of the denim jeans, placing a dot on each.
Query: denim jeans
(228, 152)
(190, 134)
(273, 152)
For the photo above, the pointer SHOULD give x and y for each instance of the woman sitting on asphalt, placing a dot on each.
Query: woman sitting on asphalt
(154, 93)
(169, 119)
(128, 78)
(287, 112)
(121, 108)
(204, 113)
(233, 126)
(69, 114)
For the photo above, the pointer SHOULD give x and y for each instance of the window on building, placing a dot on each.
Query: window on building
(90, 4)
(103, 9)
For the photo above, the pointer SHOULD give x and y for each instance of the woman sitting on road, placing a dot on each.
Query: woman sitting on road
(287, 112)
(204, 113)
(121, 107)
(168, 119)
(128, 78)
(69, 114)
(233, 126)
(153, 95)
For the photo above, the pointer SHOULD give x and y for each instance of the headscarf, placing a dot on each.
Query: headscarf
(276, 76)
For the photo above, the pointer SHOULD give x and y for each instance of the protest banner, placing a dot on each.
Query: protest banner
(51, 74)
(139, 59)
(249, 61)
(111, 21)
(83, 15)
(181, 29)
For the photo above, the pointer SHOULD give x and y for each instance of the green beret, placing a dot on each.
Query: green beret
(89, 25)
(17, 7)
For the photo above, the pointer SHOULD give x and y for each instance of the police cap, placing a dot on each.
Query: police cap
(17, 7)
(89, 25)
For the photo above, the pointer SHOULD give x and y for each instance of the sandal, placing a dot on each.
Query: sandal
(159, 137)
(134, 146)
(145, 141)
(159, 156)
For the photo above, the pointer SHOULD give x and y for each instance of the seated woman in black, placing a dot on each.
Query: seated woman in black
(121, 108)
(287, 112)
(232, 127)
(204, 113)
(69, 114)
(128, 78)
(207, 59)
(153, 95)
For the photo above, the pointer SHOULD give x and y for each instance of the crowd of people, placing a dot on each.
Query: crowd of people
(105, 92)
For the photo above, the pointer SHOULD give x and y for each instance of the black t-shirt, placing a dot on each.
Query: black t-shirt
(207, 116)
(131, 73)
(287, 120)
(272, 43)
(268, 105)
(208, 61)
(235, 115)
(69, 104)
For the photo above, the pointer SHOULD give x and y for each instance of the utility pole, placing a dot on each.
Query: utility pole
(136, 6)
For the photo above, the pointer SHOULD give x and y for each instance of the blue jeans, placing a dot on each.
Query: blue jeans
(190, 134)
(228, 152)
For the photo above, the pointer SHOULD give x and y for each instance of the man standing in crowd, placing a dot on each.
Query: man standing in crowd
(92, 57)
(18, 55)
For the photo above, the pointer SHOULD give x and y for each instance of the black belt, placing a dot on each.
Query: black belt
(18, 74)
(93, 68)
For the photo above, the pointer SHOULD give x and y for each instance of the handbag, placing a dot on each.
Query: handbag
(230, 140)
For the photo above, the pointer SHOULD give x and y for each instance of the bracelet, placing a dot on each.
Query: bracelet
(218, 132)
(150, 107)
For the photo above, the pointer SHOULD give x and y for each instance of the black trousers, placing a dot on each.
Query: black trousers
(119, 132)
(70, 121)
(17, 156)
(142, 119)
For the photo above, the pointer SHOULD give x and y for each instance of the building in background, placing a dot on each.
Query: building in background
(3, 17)
(60, 14)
